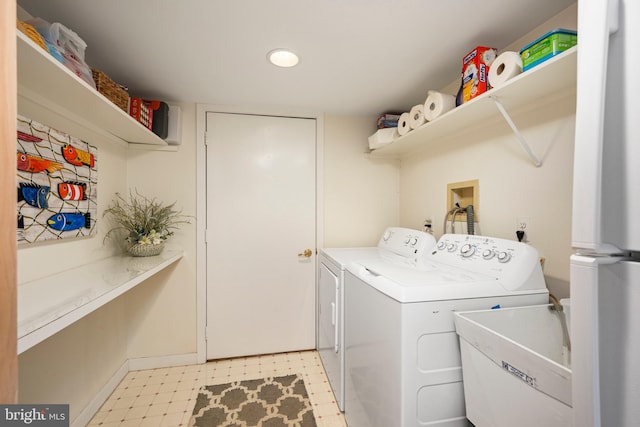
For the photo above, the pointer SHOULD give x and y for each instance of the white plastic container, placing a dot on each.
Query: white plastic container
(515, 368)
(66, 46)
(60, 36)
(383, 137)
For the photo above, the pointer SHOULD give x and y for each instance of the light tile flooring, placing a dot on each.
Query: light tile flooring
(166, 397)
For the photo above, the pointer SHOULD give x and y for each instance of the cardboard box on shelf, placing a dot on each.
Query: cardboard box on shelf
(475, 69)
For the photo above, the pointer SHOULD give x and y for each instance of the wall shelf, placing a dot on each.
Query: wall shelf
(44, 80)
(48, 305)
(547, 81)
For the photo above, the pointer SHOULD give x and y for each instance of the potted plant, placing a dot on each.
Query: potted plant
(146, 221)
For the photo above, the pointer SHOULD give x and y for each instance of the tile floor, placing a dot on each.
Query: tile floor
(166, 397)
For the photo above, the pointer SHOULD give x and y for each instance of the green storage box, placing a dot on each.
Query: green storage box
(547, 46)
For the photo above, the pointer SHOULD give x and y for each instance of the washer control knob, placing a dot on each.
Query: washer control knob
(441, 245)
(504, 256)
(451, 247)
(488, 254)
(386, 235)
(414, 241)
(467, 250)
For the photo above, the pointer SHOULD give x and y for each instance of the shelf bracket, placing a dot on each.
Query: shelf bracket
(523, 142)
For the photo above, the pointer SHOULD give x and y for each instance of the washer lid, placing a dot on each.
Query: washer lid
(429, 282)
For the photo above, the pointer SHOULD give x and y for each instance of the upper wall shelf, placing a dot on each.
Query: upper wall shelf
(44, 80)
(555, 77)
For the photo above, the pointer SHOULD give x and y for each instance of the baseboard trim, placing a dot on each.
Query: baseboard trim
(141, 363)
(129, 365)
(92, 408)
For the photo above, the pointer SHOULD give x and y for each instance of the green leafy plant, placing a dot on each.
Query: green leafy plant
(146, 220)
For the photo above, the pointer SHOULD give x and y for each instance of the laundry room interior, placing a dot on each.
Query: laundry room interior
(170, 315)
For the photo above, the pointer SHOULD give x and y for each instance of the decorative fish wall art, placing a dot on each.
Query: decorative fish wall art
(57, 192)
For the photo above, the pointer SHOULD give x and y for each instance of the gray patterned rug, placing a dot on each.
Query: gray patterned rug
(265, 402)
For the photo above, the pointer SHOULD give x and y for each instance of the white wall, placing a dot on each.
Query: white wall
(361, 194)
(510, 185)
(161, 313)
(73, 365)
(155, 319)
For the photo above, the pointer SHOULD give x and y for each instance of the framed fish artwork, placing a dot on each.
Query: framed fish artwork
(57, 184)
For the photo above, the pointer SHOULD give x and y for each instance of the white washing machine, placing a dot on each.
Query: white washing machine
(402, 355)
(406, 243)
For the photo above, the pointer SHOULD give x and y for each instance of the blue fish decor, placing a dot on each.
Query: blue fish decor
(34, 194)
(69, 221)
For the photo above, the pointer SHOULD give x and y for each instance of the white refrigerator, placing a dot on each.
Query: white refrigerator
(605, 267)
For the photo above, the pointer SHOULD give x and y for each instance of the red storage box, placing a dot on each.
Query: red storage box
(141, 111)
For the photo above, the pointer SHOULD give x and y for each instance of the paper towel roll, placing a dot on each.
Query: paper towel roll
(505, 67)
(403, 124)
(416, 116)
(437, 104)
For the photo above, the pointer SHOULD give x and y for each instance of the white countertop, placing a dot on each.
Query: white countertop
(50, 304)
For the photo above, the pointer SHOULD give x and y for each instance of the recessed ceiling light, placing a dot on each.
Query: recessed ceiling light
(283, 58)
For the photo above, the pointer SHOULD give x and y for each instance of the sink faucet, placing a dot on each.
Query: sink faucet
(557, 307)
(556, 303)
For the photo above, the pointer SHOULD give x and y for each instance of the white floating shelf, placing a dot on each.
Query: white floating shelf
(553, 78)
(48, 305)
(44, 80)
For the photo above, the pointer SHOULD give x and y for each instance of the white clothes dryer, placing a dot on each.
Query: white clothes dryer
(402, 355)
(406, 243)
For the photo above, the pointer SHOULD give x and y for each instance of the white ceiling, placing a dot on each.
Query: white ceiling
(357, 56)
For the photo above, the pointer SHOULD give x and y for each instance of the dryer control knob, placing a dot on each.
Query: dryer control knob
(451, 247)
(504, 257)
(467, 250)
(441, 245)
(386, 235)
(414, 240)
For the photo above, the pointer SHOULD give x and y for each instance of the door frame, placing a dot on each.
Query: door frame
(8, 263)
(201, 200)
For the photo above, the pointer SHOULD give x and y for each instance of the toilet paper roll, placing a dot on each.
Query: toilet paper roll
(505, 67)
(403, 124)
(437, 104)
(416, 116)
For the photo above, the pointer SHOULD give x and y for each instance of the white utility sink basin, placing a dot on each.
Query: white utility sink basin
(515, 367)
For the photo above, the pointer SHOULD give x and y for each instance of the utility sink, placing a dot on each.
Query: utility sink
(515, 366)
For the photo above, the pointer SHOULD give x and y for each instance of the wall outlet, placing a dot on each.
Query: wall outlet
(523, 223)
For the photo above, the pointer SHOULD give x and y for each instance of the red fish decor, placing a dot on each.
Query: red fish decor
(22, 136)
(29, 163)
(72, 190)
(77, 157)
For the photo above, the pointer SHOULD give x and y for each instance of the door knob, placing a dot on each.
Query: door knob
(307, 253)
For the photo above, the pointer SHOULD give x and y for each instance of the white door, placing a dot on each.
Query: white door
(261, 218)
